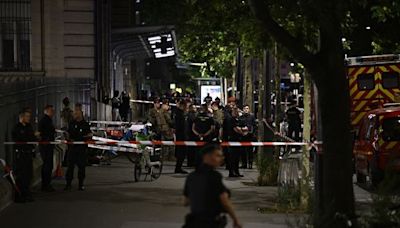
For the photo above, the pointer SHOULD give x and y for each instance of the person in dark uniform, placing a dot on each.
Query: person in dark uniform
(180, 130)
(203, 128)
(47, 134)
(294, 121)
(191, 116)
(78, 130)
(227, 132)
(235, 152)
(249, 121)
(23, 132)
(206, 195)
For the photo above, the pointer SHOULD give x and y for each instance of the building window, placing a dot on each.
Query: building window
(15, 35)
(366, 81)
(390, 80)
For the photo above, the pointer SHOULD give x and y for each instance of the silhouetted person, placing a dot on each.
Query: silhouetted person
(294, 121)
(115, 103)
(47, 134)
(125, 106)
(78, 130)
(206, 195)
(180, 134)
(249, 121)
(235, 151)
(23, 132)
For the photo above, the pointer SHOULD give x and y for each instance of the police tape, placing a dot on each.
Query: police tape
(165, 143)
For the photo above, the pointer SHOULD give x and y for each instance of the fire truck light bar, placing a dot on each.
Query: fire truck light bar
(363, 60)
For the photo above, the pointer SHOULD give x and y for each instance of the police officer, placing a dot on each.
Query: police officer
(249, 121)
(78, 130)
(180, 134)
(237, 133)
(204, 126)
(23, 132)
(206, 195)
(294, 121)
(47, 134)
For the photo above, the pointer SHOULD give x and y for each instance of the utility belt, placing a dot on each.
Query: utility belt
(24, 151)
(200, 221)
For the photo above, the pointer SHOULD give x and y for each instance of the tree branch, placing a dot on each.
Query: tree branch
(281, 35)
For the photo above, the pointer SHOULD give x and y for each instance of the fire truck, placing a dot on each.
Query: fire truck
(374, 83)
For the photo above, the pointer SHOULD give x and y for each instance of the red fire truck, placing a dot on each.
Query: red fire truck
(374, 83)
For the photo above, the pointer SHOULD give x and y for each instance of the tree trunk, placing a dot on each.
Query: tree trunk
(305, 167)
(337, 188)
(248, 96)
(278, 97)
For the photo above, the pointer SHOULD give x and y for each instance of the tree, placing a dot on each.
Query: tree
(312, 32)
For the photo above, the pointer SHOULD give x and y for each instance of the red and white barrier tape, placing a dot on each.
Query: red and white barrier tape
(164, 143)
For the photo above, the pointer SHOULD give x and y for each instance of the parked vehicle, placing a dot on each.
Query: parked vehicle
(377, 144)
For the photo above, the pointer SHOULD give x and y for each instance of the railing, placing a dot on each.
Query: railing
(36, 94)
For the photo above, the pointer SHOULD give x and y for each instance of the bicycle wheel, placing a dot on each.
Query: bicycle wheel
(157, 170)
(137, 171)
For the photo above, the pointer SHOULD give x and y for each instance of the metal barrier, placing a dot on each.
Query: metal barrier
(35, 94)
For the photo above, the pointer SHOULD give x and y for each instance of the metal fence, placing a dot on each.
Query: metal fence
(35, 94)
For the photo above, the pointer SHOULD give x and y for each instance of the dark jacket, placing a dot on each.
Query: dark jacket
(23, 133)
(46, 129)
(180, 126)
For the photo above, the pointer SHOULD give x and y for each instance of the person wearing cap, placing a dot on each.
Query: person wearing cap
(47, 134)
(206, 194)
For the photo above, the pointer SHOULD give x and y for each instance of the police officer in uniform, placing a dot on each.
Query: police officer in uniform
(47, 134)
(237, 133)
(78, 130)
(23, 132)
(206, 195)
(180, 134)
(203, 128)
(294, 120)
(249, 120)
(204, 125)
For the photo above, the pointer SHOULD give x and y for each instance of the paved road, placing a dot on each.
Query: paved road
(113, 200)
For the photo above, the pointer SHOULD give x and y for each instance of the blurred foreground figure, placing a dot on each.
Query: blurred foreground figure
(23, 132)
(206, 195)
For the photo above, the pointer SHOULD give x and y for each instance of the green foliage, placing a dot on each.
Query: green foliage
(209, 31)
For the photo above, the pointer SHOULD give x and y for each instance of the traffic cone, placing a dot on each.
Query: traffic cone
(59, 174)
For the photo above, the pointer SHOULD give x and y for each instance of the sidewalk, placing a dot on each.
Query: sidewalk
(113, 200)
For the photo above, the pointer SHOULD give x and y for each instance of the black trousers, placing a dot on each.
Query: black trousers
(247, 156)
(192, 221)
(294, 130)
(180, 155)
(191, 153)
(234, 158)
(77, 156)
(47, 152)
(23, 171)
